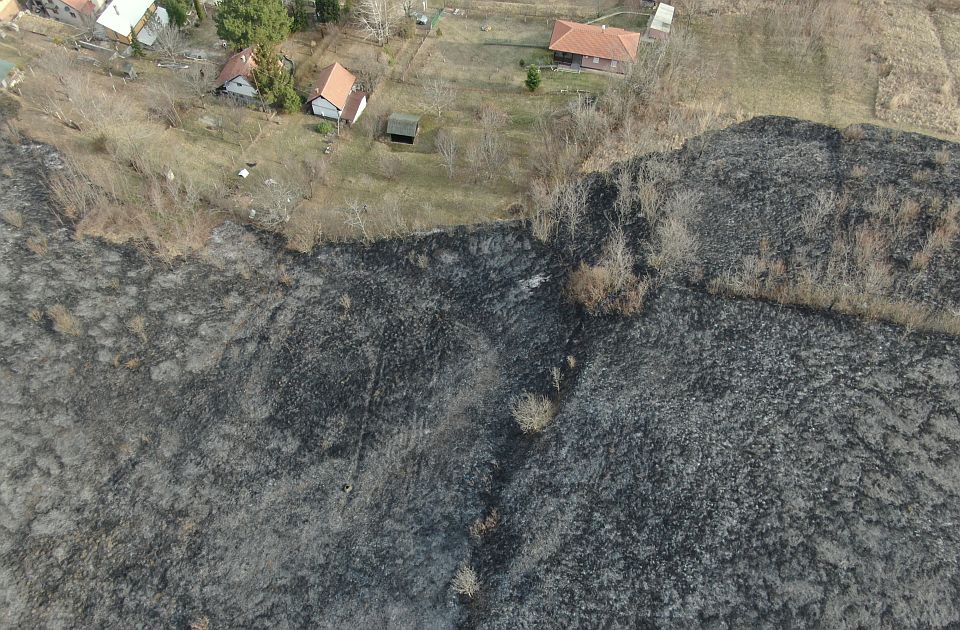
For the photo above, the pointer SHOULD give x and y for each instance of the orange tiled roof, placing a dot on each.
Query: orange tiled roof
(594, 41)
(240, 65)
(334, 84)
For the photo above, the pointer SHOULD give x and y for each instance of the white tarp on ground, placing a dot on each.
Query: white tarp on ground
(663, 18)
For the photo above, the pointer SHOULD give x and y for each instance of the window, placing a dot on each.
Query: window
(596, 60)
(613, 64)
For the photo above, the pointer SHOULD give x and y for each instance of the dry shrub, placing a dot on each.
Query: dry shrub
(138, 326)
(824, 204)
(942, 157)
(133, 363)
(853, 133)
(674, 250)
(63, 321)
(37, 243)
(13, 218)
(858, 171)
(533, 412)
(610, 286)
(466, 582)
(483, 526)
(35, 315)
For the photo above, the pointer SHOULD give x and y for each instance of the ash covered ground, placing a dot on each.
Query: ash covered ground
(312, 452)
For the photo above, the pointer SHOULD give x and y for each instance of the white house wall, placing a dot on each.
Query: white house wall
(323, 107)
(363, 106)
(241, 87)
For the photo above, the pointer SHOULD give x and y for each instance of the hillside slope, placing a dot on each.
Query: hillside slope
(266, 440)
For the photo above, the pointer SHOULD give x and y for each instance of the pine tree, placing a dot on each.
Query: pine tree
(328, 10)
(274, 83)
(298, 16)
(533, 78)
(177, 11)
(246, 23)
(135, 46)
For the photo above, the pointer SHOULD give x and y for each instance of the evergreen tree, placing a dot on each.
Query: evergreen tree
(533, 78)
(328, 10)
(135, 46)
(298, 16)
(177, 12)
(253, 22)
(201, 12)
(274, 83)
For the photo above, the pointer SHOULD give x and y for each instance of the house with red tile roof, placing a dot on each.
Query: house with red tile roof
(335, 95)
(80, 13)
(593, 47)
(236, 78)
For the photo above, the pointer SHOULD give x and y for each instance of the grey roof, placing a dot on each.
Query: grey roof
(403, 124)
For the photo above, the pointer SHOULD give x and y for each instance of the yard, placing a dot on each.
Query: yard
(742, 68)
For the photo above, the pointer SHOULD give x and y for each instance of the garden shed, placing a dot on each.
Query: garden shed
(403, 127)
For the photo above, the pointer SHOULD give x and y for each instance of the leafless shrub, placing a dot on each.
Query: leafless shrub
(13, 218)
(165, 102)
(63, 321)
(483, 526)
(273, 203)
(447, 148)
(922, 176)
(571, 203)
(626, 199)
(881, 203)
(824, 204)
(544, 202)
(466, 582)
(35, 315)
(533, 412)
(133, 363)
(355, 213)
(674, 249)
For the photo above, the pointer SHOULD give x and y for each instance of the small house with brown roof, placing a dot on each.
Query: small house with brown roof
(593, 47)
(236, 78)
(80, 13)
(335, 96)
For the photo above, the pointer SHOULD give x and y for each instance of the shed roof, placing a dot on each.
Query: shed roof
(594, 41)
(353, 106)
(403, 124)
(86, 7)
(239, 65)
(334, 84)
(662, 20)
(121, 16)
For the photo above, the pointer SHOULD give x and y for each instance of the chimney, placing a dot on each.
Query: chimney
(243, 58)
(603, 27)
(116, 8)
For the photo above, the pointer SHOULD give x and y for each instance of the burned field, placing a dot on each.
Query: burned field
(256, 438)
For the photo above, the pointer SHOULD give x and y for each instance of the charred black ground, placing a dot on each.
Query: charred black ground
(312, 451)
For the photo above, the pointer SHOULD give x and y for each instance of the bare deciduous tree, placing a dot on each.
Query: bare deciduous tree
(378, 18)
(165, 102)
(447, 148)
(437, 95)
(171, 41)
(274, 201)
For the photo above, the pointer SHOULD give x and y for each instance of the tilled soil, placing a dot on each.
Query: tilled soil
(306, 440)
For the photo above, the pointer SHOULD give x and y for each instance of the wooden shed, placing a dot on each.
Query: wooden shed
(403, 127)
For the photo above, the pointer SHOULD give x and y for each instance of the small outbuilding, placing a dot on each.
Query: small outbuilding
(403, 127)
(660, 23)
(335, 96)
(236, 78)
